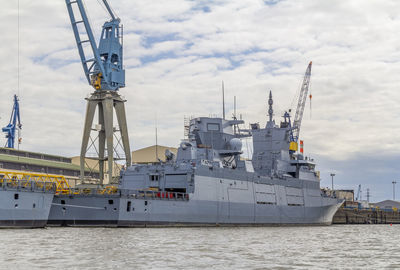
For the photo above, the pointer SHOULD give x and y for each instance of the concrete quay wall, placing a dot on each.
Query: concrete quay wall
(366, 216)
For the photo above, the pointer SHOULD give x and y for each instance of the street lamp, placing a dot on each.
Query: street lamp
(394, 185)
(332, 175)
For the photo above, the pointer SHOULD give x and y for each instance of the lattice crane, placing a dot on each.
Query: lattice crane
(301, 103)
(15, 122)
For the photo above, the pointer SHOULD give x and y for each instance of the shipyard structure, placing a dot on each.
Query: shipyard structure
(204, 183)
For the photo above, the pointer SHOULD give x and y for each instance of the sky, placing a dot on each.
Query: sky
(177, 53)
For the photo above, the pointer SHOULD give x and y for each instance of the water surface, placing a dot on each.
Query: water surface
(330, 247)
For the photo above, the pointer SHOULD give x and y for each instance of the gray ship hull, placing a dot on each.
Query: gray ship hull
(84, 210)
(24, 208)
(178, 214)
(215, 202)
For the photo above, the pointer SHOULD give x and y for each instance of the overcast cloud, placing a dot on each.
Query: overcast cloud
(178, 52)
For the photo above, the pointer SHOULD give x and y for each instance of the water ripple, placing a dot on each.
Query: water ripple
(332, 247)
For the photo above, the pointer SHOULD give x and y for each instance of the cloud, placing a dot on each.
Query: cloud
(177, 53)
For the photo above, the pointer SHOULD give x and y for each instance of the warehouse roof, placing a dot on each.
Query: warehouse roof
(34, 155)
(149, 154)
(388, 204)
(39, 162)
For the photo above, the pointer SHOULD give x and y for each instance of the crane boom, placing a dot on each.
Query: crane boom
(104, 70)
(301, 103)
(109, 10)
(13, 125)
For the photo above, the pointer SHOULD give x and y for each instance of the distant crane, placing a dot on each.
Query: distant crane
(15, 122)
(295, 131)
(359, 194)
(105, 73)
(301, 103)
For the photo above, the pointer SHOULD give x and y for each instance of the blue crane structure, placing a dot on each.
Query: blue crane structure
(104, 71)
(15, 122)
(104, 68)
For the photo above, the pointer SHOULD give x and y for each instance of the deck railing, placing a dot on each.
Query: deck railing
(61, 184)
(138, 194)
(158, 195)
(25, 185)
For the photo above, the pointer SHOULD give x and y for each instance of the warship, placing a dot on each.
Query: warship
(207, 183)
(24, 203)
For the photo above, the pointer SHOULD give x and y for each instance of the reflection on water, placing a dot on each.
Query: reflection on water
(333, 247)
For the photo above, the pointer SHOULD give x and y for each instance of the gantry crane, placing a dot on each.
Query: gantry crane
(104, 71)
(15, 122)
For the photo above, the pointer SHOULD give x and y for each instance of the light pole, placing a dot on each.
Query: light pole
(332, 175)
(394, 188)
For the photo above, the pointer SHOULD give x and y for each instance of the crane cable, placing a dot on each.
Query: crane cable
(296, 97)
(98, 1)
(89, 18)
(104, 8)
(310, 96)
(18, 67)
(18, 48)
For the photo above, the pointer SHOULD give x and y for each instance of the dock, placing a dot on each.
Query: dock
(366, 216)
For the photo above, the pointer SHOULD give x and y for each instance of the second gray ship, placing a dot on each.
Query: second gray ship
(209, 184)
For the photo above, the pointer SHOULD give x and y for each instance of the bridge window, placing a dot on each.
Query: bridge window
(154, 177)
(212, 127)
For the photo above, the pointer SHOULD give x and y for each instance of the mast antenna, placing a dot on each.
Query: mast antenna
(270, 103)
(223, 101)
(156, 141)
(234, 107)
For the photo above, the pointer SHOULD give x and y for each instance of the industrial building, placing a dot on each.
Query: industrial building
(388, 204)
(20, 160)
